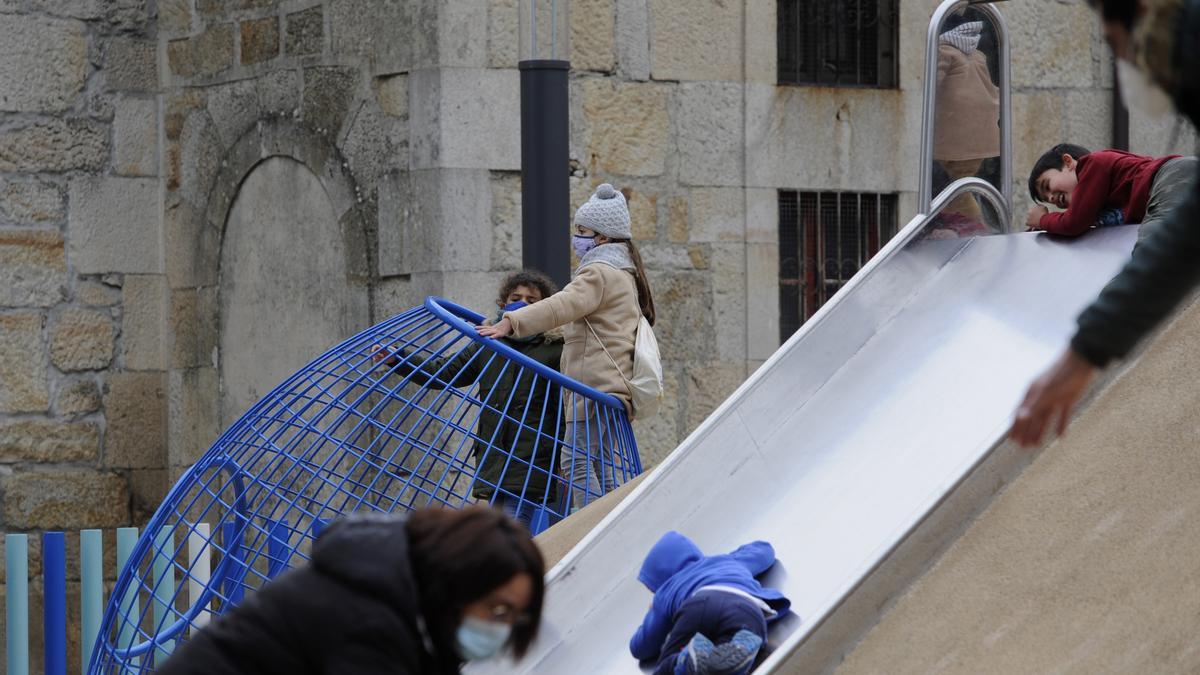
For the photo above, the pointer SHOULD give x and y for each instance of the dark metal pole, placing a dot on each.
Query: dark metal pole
(545, 168)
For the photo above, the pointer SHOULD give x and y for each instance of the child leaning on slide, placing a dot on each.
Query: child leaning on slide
(709, 613)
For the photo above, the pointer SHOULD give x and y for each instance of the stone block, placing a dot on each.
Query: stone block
(97, 293)
(593, 25)
(279, 92)
(114, 225)
(1037, 126)
(503, 33)
(506, 220)
(762, 215)
(23, 385)
(234, 109)
(1088, 119)
(74, 9)
(709, 120)
(131, 65)
(43, 63)
(305, 32)
(762, 300)
(696, 40)
(175, 16)
(127, 16)
(194, 414)
(727, 263)
(192, 248)
(328, 93)
(65, 499)
(1066, 60)
(375, 143)
(632, 47)
(33, 267)
(31, 202)
(391, 91)
(368, 29)
(762, 56)
(717, 214)
(49, 442)
(260, 40)
(462, 37)
(135, 407)
(78, 397)
(204, 55)
(82, 339)
(200, 152)
(643, 213)
(143, 322)
(54, 145)
(148, 488)
(458, 201)
(684, 325)
(465, 118)
(135, 137)
(708, 385)
(1167, 135)
(194, 323)
(628, 126)
(677, 220)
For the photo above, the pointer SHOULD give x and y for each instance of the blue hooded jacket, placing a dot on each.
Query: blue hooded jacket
(675, 568)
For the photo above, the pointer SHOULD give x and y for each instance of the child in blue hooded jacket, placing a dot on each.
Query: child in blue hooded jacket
(709, 613)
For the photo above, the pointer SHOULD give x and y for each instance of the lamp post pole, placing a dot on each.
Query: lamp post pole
(545, 190)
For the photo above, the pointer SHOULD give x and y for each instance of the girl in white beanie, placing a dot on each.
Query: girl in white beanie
(599, 310)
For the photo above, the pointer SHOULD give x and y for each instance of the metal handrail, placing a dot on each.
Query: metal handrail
(925, 181)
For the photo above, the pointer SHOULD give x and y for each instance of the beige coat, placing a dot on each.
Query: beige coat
(607, 298)
(968, 107)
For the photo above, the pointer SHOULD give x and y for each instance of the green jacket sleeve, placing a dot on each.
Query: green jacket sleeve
(1164, 268)
(461, 370)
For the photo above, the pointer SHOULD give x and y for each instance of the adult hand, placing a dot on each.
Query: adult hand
(1051, 398)
(1033, 219)
(502, 329)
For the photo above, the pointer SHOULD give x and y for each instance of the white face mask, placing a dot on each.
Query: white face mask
(478, 639)
(1140, 93)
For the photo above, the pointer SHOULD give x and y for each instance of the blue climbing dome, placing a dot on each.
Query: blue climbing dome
(362, 430)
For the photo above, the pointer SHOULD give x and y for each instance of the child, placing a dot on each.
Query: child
(709, 613)
(527, 428)
(1085, 184)
(600, 310)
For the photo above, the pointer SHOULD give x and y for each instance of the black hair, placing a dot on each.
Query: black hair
(527, 277)
(458, 556)
(1123, 12)
(1052, 159)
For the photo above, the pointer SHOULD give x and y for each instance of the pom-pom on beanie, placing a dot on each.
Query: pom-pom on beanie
(606, 213)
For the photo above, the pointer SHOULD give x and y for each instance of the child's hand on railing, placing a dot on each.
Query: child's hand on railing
(380, 354)
(502, 329)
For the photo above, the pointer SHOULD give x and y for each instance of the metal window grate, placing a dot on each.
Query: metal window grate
(839, 43)
(824, 239)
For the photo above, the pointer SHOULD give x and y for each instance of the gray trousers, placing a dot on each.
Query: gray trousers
(588, 463)
(1169, 188)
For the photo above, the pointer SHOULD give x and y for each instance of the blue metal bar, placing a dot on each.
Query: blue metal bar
(54, 599)
(16, 567)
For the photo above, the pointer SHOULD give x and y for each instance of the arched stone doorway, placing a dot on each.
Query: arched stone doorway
(286, 291)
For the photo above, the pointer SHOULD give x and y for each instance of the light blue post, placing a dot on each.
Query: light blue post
(91, 591)
(164, 588)
(130, 607)
(16, 559)
(54, 599)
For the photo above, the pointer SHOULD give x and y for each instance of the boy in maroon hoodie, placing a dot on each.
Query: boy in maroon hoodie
(1085, 185)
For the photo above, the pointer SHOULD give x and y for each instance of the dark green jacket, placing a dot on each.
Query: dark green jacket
(1165, 266)
(523, 425)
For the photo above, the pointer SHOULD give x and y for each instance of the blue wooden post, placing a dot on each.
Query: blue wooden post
(130, 613)
(91, 591)
(16, 559)
(164, 589)
(54, 602)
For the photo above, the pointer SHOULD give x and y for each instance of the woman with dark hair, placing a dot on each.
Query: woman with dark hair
(600, 312)
(385, 594)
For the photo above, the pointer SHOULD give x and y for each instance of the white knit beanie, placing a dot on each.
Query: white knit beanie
(606, 213)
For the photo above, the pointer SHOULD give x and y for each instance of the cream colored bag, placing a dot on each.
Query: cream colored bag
(646, 387)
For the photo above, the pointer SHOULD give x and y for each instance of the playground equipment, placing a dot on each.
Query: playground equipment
(389, 420)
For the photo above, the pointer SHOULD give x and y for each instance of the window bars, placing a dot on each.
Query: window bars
(824, 239)
(413, 412)
(838, 43)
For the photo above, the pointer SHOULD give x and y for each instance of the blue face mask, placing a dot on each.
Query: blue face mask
(583, 244)
(478, 639)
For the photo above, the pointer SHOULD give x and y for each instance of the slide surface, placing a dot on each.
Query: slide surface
(838, 446)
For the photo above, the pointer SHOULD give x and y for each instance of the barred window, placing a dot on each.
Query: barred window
(838, 43)
(824, 238)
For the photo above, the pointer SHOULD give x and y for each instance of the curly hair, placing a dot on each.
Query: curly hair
(527, 277)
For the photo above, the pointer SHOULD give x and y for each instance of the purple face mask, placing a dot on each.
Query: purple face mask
(583, 244)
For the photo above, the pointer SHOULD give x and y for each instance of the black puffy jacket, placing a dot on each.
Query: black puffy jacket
(353, 609)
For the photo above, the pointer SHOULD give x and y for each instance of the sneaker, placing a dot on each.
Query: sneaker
(697, 651)
(733, 657)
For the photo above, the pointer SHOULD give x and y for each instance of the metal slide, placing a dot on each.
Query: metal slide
(838, 447)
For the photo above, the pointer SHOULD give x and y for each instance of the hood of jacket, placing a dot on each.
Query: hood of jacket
(668, 557)
(369, 553)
